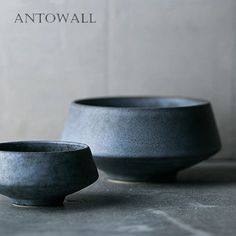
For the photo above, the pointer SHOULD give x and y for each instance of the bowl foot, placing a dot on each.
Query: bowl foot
(167, 178)
(38, 202)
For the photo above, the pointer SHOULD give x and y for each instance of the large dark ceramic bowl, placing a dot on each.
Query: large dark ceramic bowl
(43, 173)
(144, 138)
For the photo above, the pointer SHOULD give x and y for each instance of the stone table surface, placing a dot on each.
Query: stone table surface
(201, 202)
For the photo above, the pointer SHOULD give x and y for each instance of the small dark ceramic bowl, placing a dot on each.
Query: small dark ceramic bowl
(144, 138)
(42, 173)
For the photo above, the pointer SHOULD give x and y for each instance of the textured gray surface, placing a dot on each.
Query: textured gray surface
(201, 203)
(43, 173)
(143, 138)
(167, 47)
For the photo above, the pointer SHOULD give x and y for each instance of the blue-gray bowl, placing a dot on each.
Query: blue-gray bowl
(144, 138)
(42, 173)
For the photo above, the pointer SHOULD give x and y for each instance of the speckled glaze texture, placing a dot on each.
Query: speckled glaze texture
(144, 139)
(42, 173)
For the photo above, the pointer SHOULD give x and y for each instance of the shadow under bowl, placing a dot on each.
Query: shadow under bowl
(42, 173)
(144, 138)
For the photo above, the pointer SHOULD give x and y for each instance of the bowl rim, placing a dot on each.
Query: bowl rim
(199, 102)
(81, 146)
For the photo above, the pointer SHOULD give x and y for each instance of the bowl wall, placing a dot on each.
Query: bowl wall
(144, 128)
(43, 172)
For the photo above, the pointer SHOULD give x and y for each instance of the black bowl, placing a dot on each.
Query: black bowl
(42, 173)
(144, 138)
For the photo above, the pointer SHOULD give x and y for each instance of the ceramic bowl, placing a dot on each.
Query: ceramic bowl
(144, 138)
(42, 173)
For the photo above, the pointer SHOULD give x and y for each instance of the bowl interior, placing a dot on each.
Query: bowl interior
(142, 102)
(35, 146)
